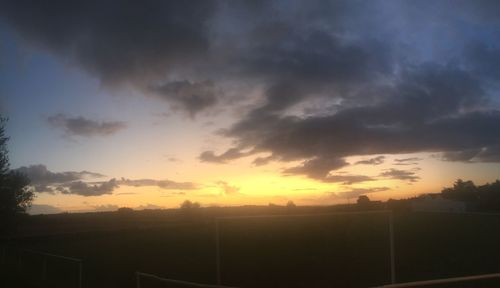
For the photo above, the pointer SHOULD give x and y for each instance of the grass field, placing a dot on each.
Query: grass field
(320, 251)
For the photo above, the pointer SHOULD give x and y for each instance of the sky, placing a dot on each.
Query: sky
(146, 104)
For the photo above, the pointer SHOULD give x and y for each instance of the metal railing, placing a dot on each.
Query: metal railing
(442, 281)
(172, 282)
(45, 256)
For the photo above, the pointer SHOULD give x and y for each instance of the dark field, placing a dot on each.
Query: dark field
(319, 251)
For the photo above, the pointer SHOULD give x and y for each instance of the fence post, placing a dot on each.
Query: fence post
(44, 268)
(80, 274)
(217, 252)
(137, 279)
(19, 260)
(4, 256)
(391, 240)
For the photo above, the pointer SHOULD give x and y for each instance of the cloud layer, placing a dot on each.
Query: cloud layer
(85, 183)
(421, 79)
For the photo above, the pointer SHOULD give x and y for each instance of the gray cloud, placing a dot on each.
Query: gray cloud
(231, 154)
(320, 169)
(88, 189)
(317, 168)
(483, 154)
(407, 161)
(80, 126)
(45, 181)
(40, 176)
(347, 179)
(189, 96)
(402, 86)
(70, 182)
(429, 109)
(259, 161)
(372, 161)
(119, 41)
(353, 193)
(404, 175)
(228, 189)
(164, 184)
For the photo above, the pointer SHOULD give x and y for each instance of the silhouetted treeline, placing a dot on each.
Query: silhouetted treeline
(15, 194)
(487, 196)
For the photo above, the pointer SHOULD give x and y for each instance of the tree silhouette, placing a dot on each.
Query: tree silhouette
(363, 200)
(189, 205)
(15, 194)
(462, 191)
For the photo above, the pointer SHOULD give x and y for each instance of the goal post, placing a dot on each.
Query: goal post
(389, 213)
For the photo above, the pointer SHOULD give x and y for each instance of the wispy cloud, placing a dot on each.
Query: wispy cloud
(372, 161)
(407, 161)
(405, 175)
(228, 189)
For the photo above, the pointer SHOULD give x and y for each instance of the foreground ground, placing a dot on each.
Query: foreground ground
(320, 251)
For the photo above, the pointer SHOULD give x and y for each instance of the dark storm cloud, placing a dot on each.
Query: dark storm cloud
(372, 161)
(484, 154)
(430, 108)
(189, 96)
(419, 80)
(404, 175)
(175, 42)
(116, 40)
(319, 57)
(80, 126)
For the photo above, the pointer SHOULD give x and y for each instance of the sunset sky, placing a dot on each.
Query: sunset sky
(145, 104)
